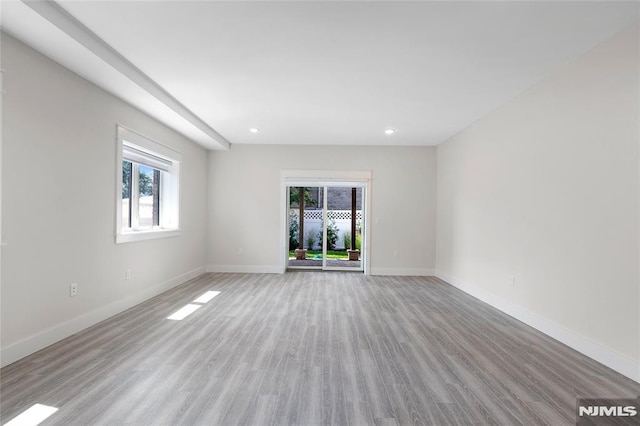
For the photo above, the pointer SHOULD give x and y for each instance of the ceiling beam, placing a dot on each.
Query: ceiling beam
(58, 16)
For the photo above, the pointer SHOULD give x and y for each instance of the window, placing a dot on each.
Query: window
(148, 189)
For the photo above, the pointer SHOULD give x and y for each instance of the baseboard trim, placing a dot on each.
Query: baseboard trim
(32, 344)
(604, 355)
(404, 272)
(246, 269)
(265, 269)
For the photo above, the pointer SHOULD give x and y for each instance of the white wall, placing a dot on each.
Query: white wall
(59, 137)
(545, 189)
(246, 180)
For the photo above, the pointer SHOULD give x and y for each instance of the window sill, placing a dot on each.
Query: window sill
(128, 237)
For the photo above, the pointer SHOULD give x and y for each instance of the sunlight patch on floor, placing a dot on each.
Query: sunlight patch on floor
(33, 416)
(206, 297)
(184, 312)
(187, 310)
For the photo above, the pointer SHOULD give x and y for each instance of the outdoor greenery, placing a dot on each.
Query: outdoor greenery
(310, 240)
(294, 234)
(145, 186)
(332, 235)
(294, 231)
(331, 254)
(346, 239)
(294, 197)
(294, 226)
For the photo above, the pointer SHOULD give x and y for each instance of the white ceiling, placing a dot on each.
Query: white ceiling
(323, 72)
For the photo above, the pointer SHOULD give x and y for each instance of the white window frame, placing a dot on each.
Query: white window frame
(142, 150)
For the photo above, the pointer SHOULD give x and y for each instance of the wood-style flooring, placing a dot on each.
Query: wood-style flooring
(308, 348)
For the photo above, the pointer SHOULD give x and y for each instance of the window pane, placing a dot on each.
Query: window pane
(148, 202)
(156, 197)
(126, 194)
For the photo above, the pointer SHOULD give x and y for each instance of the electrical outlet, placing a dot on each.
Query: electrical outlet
(395, 253)
(73, 290)
(240, 252)
(127, 274)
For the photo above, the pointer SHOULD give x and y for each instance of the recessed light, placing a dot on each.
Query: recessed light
(390, 131)
(254, 130)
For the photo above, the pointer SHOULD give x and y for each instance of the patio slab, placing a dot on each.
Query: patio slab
(332, 263)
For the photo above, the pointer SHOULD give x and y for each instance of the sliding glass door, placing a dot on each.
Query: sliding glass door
(343, 228)
(305, 215)
(326, 227)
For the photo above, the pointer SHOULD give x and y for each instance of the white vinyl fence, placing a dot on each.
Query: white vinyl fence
(145, 204)
(313, 224)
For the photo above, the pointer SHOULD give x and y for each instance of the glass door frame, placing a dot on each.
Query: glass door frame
(325, 224)
(301, 237)
(325, 178)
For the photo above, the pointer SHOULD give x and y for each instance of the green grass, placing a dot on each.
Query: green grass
(331, 254)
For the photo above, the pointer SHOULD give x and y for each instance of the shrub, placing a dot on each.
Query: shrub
(294, 231)
(311, 239)
(332, 235)
(346, 238)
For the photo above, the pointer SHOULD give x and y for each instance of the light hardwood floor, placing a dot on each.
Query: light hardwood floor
(309, 348)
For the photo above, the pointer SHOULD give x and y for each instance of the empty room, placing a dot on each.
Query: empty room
(320, 212)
